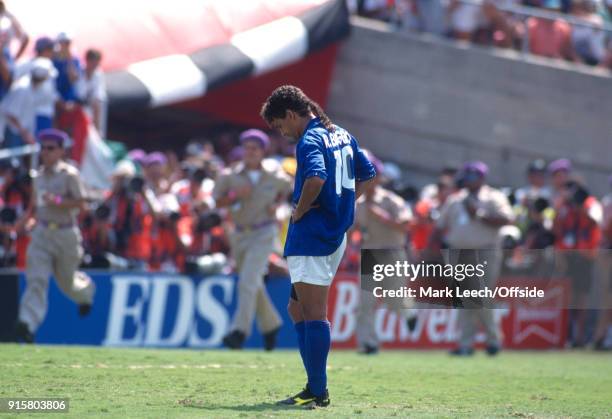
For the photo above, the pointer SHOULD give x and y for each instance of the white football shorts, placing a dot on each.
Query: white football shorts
(316, 270)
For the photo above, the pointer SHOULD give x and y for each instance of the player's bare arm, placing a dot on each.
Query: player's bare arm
(310, 192)
(361, 187)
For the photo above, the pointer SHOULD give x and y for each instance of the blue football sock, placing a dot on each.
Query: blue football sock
(300, 329)
(318, 340)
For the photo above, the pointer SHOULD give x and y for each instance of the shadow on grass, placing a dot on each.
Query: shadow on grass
(260, 407)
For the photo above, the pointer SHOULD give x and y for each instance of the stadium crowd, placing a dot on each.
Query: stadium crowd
(45, 89)
(489, 22)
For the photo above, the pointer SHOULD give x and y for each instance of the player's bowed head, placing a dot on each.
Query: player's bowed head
(289, 110)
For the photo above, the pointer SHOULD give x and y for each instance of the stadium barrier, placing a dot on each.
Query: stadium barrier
(160, 310)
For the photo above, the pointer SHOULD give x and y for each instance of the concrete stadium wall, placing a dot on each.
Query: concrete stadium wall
(428, 102)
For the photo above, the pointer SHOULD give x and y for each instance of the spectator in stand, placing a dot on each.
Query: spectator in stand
(577, 237)
(68, 69)
(501, 29)
(18, 108)
(424, 15)
(45, 111)
(479, 23)
(91, 90)
(484, 23)
(604, 9)
(550, 38)
(588, 42)
(463, 20)
(10, 29)
(376, 9)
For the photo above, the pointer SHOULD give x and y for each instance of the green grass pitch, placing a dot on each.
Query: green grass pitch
(132, 383)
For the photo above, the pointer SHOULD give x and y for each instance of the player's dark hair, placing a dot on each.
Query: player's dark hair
(291, 98)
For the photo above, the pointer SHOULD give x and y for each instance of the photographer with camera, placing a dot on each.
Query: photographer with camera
(98, 237)
(194, 191)
(15, 222)
(208, 250)
(170, 237)
(577, 237)
(203, 234)
(133, 208)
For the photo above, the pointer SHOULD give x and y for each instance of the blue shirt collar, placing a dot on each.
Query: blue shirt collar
(311, 124)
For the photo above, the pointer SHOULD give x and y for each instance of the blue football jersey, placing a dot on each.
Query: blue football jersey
(337, 158)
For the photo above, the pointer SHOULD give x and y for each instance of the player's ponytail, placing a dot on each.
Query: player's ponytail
(291, 98)
(318, 112)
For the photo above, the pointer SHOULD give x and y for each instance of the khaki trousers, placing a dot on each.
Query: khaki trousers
(469, 316)
(366, 315)
(251, 251)
(57, 252)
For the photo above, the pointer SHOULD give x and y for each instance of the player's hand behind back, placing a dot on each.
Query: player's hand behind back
(297, 213)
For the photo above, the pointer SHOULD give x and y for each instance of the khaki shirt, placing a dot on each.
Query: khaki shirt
(255, 209)
(376, 234)
(463, 232)
(63, 180)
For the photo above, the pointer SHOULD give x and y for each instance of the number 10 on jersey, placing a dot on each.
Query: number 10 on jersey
(345, 172)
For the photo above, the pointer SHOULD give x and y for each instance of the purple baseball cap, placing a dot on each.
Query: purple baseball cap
(137, 155)
(43, 43)
(51, 134)
(560, 164)
(255, 135)
(477, 167)
(155, 158)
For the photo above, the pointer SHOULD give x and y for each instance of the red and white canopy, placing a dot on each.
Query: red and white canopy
(160, 53)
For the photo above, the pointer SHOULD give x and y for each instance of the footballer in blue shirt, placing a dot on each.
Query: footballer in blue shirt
(332, 172)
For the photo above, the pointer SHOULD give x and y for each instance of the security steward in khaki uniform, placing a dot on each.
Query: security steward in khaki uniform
(55, 247)
(383, 219)
(252, 191)
(471, 221)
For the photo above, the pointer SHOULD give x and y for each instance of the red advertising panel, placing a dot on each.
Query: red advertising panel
(538, 324)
